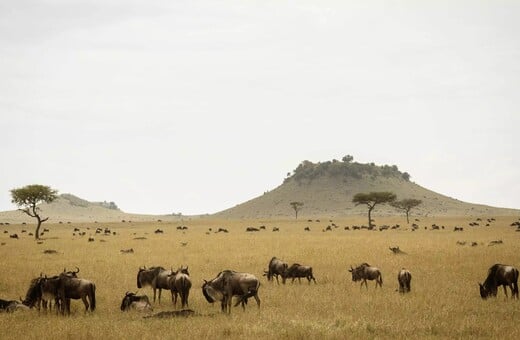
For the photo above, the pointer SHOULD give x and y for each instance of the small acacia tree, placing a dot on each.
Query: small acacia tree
(406, 205)
(27, 199)
(372, 199)
(297, 206)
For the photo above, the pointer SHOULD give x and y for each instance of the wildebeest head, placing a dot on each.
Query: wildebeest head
(34, 293)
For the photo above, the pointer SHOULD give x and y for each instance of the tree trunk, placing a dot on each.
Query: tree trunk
(37, 232)
(407, 219)
(370, 216)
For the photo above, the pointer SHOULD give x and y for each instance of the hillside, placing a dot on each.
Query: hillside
(327, 189)
(71, 208)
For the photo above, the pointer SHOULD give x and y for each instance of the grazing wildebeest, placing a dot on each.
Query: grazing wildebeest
(276, 267)
(180, 283)
(33, 297)
(298, 271)
(500, 275)
(72, 287)
(140, 303)
(155, 277)
(404, 277)
(229, 283)
(366, 272)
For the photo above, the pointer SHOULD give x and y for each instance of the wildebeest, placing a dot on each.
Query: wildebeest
(72, 287)
(366, 272)
(155, 277)
(132, 301)
(10, 306)
(404, 277)
(500, 275)
(229, 283)
(180, 283)
(276, 267)
(298, 271)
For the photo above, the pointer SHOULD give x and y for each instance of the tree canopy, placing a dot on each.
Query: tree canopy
(372, 199)
(406, 205)
(27, 199)
(297, 206)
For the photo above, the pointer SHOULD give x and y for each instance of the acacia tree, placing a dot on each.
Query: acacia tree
(297, 206)
(406, 205)
(27, 198)
(372, 199)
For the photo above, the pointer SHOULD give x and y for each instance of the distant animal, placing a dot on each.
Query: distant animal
(458, 229)
(229, 283)
(252, 229)
(155, 277)
(275, 267)
(307, 229)
(404, 278)
(366, 272)
(500, 275)
(495, 242)
(158, 231)
(298, 271)
(276, 229)
(180, 283)
(13, 236)
(132, 301)
(127, 251)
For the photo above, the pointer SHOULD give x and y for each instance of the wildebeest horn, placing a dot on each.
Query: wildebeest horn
(77, 270)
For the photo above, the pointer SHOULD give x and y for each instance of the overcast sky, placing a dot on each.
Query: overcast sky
(196, 106)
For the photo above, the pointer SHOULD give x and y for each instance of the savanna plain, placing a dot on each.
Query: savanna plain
(444, 301)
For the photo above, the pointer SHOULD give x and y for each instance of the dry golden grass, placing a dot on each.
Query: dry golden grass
(444, 302)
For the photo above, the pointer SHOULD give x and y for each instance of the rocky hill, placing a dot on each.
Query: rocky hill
(326, 189)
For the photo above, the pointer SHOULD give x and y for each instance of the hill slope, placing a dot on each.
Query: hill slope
(327, 189)
(71, 208)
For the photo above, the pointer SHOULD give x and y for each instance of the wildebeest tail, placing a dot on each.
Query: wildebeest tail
(92, 294)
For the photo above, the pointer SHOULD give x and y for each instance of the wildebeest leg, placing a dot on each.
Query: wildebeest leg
(276, 275)
(257, 300)
(505, 290)
(85, 302)
(154, 290)
(299, 280)
(160, 290)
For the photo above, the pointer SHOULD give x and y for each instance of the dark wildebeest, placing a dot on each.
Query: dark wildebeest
(229, 283)
(404, 278)
(500, 275)
(155, 277)
(33, 297)
(72, 287)
(180, 283)
(298, 271)
(366, 272)
(276, 267)
(140, 303)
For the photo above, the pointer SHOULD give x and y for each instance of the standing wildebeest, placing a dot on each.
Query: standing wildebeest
(140, 303)
(366, 272)
(276, 267)
(500, 275)
(229, 283)
(71, 287)
(298, 271)
(155, 277)
(404, 277)
(180, 283)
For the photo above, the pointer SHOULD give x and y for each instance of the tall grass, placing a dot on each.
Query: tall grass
(444, 302)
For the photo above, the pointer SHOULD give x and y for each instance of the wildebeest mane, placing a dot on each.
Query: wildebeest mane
(34, 293)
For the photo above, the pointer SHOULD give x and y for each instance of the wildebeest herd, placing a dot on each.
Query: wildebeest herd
(46, 292)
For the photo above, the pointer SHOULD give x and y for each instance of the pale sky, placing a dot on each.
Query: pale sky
(196, 106)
